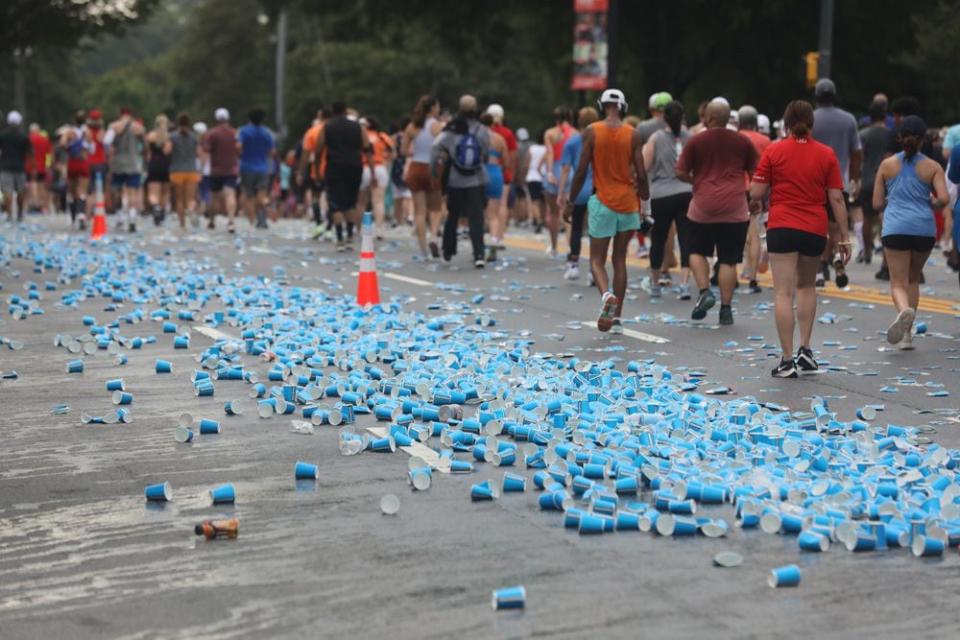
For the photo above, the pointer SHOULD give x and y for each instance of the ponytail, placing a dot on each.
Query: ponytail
(673, 116)
(911, 146)
(798, 118)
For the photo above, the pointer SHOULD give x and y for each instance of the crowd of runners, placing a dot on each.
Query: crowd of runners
(722, 195)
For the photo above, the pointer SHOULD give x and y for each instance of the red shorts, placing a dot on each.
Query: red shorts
(78, 168)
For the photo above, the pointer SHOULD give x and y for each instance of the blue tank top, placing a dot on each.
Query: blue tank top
(908, 209)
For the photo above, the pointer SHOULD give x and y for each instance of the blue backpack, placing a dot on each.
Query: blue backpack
(468, 154)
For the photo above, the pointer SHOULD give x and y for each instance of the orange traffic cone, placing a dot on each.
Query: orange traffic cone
(368, 290)
(99, 227)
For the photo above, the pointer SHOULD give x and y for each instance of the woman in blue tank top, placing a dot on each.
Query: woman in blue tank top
(908, 188)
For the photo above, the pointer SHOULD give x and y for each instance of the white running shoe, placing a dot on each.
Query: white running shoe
(572, 272)
(906, 343)
(901, 326)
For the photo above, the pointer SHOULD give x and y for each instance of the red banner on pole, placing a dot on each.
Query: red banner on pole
(590, 45)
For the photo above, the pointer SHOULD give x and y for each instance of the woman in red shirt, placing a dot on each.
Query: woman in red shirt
(800, 173)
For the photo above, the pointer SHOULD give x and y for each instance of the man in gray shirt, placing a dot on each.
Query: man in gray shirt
(459, 155)
(656, 104)
(837, 129)
(875, 140)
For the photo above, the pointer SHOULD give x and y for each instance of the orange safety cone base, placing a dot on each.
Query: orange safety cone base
(99, 227)
(368, 290)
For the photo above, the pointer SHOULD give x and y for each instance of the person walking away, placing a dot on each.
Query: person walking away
(569, 161)
(402, 197)
(509, 170)
(78, 146)
(184, 177)
(14, 150)
(158, 168)
(495, 186)
(554, 139)
(97, 163)
(382, 153)
(256, 147)
(343, 141)
(718, 218)
(837, 129)
(38, 199)
(535, 175)
(613, 150)
(521, 212)
(670, 196)
(748, 122)
(909, 186)
(461, 153)
(220, 143)
(418, 139)
(875, 140)
(798, 173)
(125, 138)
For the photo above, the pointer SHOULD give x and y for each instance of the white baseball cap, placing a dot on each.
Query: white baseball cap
(14, 118)
(522, 134)
(200, 128)
(614, 96)
(496, 111)
(221, 115)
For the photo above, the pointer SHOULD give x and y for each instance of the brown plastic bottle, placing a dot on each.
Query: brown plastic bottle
(212, 529)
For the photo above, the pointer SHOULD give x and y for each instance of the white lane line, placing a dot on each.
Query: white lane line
(213, 334)
(639, 335)
(430, 456)
(401, 278)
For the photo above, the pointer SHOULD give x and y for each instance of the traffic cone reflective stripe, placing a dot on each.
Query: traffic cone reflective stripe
(99, 227)
(368, 290)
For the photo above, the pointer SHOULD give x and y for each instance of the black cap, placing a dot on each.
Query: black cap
(912, 126)
(198, 529)
(825, 87)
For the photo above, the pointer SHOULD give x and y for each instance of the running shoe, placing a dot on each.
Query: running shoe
(786, 369)
(726, 316)
(608, 306)
(211, 224)
(491, 254)
(81, 222)
(572, 272)
(666, 280)
(643, 251)
(840, 273)
(705, 302)
(132, 227)
(616, 328)
(434, 249)
(901, 326)
(805, 361)
(882, 274)
(317, 232)
(906, 344)
(683, 292)
(754, 287)
(340, 247)
(656, 291)
(479, 263)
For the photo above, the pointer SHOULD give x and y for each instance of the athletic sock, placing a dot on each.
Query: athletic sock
(339, 228)
(725, 306)
(858, 234)
(317, 216)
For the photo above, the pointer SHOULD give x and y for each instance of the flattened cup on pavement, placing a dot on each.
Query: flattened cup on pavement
(122, 397)
(224, 494)
(728, 559)
(208, 426)
(60, 409)
(305, 471)
(159, 492)
(163, 366)
(786, 576)
(74, 366)
(183, 435)
(509, 598)
(389, 504)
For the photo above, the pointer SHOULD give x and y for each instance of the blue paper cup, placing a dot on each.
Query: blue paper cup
(628, 521)
(509, 598)
(867, 413)
(258, 390)
(163, 366)
(927, 547)
(483, 491)
(122, 397)
(420, 478)
(232, 408)
(591, 524)
(513, 482)
(116, 384)
(74, 366)
(787, 576)
(383, 445)
(203, 388)
(159, 492)
(183, 435)
(224, 494)
(208, 426)
(185, 420)
(671, 525)
(305, 471)
(813, 541)
(460, 466)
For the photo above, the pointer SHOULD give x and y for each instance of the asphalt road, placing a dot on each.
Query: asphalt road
(82, 556)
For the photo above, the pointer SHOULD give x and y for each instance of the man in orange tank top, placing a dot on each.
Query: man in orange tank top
(615, 152)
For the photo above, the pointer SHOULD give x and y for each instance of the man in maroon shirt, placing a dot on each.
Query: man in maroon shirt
(715, 161)
(221, 143)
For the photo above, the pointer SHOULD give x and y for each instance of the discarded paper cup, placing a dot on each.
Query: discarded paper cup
(420, 478)
(122, 397)
(509, 598)
(926, 547)
(728, 559)
(786, 576)
(232, 408)
(224, 494)
(183, 435)
(75, 366)
(813, 541)
(116, 384)
(513, 482)
(159, 492)
(483, 491)
(163, 366)
(389, 504)
(305, 471)
(208, 426)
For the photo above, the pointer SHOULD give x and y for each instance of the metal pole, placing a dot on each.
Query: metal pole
(826, 37)
(19, 82)
(280, 102)
(613, 17)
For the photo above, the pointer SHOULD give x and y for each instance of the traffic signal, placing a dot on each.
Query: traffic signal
(812, 60)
